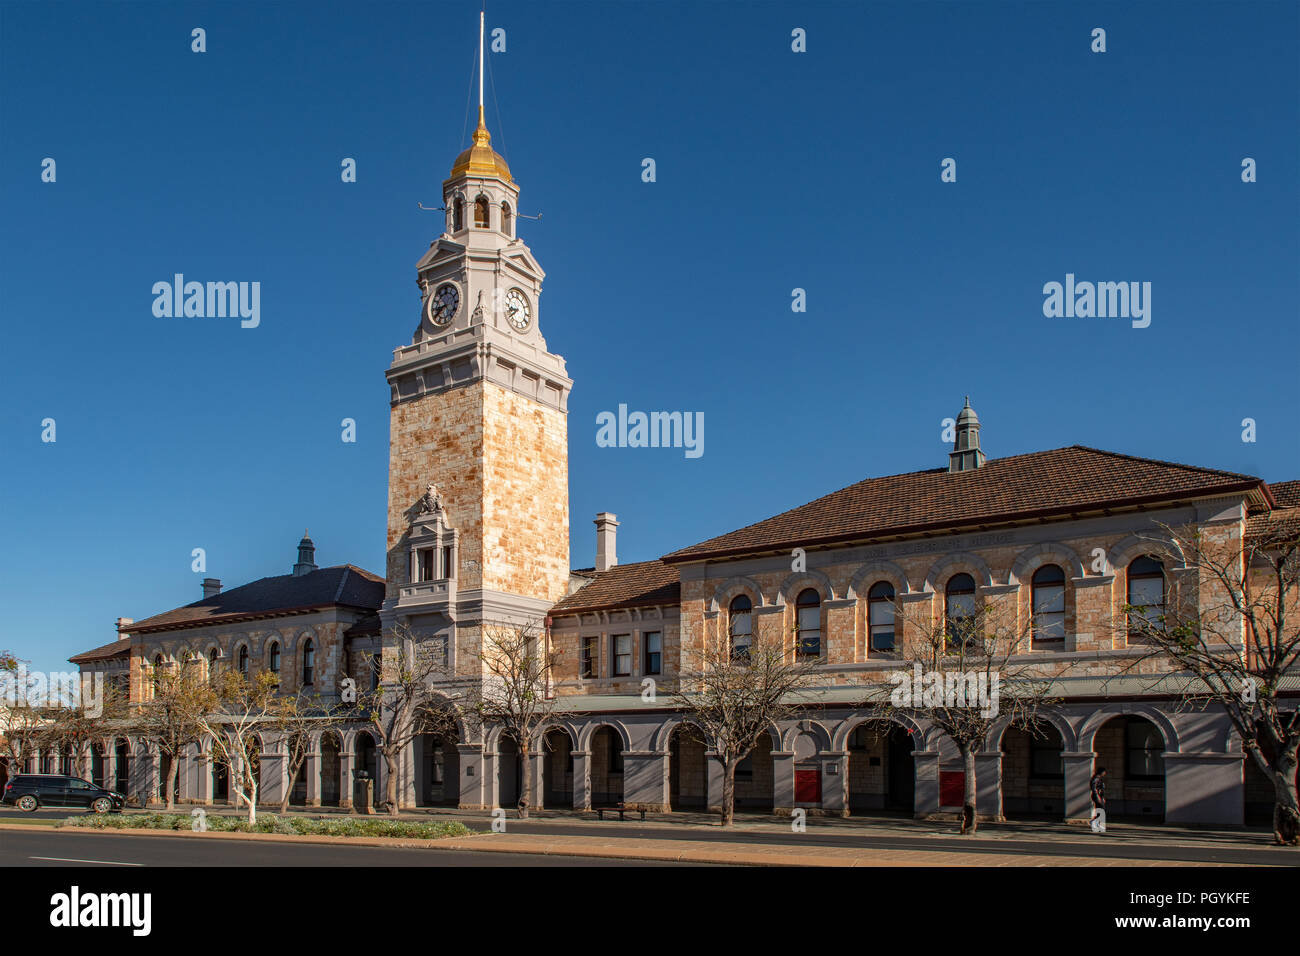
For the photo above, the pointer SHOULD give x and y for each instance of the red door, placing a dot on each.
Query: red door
(807, 786)
(952, 788)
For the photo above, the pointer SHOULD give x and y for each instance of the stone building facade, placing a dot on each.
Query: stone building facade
(478, 531)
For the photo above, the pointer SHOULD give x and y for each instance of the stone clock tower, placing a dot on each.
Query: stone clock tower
(478, 475)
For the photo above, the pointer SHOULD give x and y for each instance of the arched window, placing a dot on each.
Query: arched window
(808, 617)
(481, 212)
(157, 673)
(243, 659)
(880, 616)
(1047, 592)
(273, 657)
(458, 214)
(741, 617)
(213, 654)
(1146, 594)
(308, 662)
(959, 613)
(507, 221)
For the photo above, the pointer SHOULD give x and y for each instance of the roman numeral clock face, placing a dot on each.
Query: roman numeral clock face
(441, 307)
(518, 312)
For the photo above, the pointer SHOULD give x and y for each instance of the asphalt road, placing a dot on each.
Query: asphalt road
(1083, 844)
(112, 850)
(1246, 848)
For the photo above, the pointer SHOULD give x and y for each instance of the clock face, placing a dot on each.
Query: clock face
(518, 312)
(441, 307)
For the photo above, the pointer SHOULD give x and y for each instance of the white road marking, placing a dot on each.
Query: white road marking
(63, 859)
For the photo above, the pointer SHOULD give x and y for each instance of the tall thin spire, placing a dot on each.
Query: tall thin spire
(481, 14)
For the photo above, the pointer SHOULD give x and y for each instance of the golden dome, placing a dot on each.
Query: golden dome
(481, 159)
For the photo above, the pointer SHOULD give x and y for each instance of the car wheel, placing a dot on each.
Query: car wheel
(27, 803)
(101, 805)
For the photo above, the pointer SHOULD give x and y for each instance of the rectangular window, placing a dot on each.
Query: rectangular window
(448, 564)
(1049, 613)
(587, 664)
(882, 625)
(654, 646)
(426, 564)
(622, 650)
(810, 631)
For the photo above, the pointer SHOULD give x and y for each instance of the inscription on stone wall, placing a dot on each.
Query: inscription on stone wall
(970, 543)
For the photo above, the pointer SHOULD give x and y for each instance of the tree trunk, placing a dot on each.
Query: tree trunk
(284, 796)
(729, 793)
(968, 818)
(250, 794)
(525, 780)
(390, 785)
(173, 768)
(1286, 812)
(294, 766)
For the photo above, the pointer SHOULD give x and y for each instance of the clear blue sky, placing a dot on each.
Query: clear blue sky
(776, 170)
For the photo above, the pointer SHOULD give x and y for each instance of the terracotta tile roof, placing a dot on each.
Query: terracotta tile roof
(104, 652)
(1287, 493)
(625, 585)
(1043, 483)
(342, 585)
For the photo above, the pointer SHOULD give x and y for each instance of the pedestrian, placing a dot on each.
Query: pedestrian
(1098, 787)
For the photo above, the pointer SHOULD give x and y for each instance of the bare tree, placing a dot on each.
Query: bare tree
(172, 719)
(298, 718)
(519, 669)
(405, 704)
(22, 726)
(1231, 621)
(243, 707)
(735, 692)
(962, 674)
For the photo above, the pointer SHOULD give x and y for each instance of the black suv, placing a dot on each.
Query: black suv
(29, 791)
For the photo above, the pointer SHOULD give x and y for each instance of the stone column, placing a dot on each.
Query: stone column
(643, 780)
(835, 770)
(473, 786)
(988, 785)
(347, 781)
(311, 769)
(782, 781)
(1204, 787)
(926, 790)
(202, 777)
(582, 780)
(110, 768)
(1078, 771)
(537, 778)
(716, 778)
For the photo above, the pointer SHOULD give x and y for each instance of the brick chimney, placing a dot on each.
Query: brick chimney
(211, 587)
(606, 534)
(122, 622)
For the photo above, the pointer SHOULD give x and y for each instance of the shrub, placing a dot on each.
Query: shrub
(270, 823)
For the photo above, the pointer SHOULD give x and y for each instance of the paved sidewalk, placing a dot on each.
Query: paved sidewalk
(851, 828)
(753, 854)
(653, 849)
